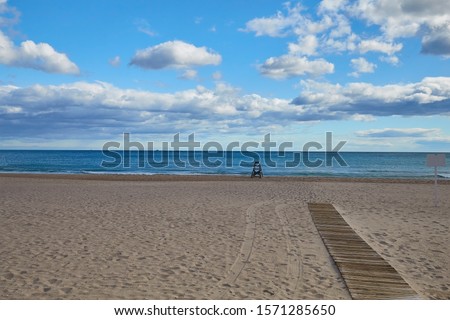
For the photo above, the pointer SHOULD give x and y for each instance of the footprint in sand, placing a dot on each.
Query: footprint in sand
(8, 275)
(66, 290)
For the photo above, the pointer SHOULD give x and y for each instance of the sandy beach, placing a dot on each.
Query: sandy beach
(209, 237)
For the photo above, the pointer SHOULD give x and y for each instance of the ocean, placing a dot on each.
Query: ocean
(321, 164)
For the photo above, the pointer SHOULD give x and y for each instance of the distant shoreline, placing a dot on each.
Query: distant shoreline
(214, 177)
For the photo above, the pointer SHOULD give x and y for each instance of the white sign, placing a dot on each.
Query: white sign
(436, 160)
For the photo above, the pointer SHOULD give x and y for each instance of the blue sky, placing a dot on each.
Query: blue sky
(76, 74)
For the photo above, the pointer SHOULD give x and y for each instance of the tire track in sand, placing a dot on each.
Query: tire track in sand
(294, 259)
(244, 253)
(294, 263)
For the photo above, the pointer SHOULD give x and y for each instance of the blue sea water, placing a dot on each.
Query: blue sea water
(344, 164)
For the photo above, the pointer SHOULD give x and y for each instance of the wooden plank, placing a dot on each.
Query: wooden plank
(366, 274)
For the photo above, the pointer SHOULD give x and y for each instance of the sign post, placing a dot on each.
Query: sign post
(436, 160)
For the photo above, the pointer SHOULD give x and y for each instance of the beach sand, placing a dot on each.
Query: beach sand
(209, 237)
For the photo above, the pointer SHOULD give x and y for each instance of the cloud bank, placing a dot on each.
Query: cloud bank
(101, 109)
(431, 96)
(399, 133)
(428, 137)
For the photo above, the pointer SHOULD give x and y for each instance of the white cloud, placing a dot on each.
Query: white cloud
(291, 23)
(427, 97)
(379, 46)
(350, 43)
(306, 46)
(361, 65)
(390, 59)
(342, 26)
(332, 28)
(362, 117)
(10, 109)
(429, 138)
(329, 31)
(288, 66)
(217, 75)
(403, 18)
(332, 5)
(437, 43)
(398, 133)
(408, 18)
(279, 25)
(9, 15)
(84, 109)
(115, 62)
(143, 26)
(175, 54)
(189, 74)
(39, 56)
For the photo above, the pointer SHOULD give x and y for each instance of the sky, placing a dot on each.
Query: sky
(77, 74)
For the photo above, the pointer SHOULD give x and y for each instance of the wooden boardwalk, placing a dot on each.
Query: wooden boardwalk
(366, 274)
